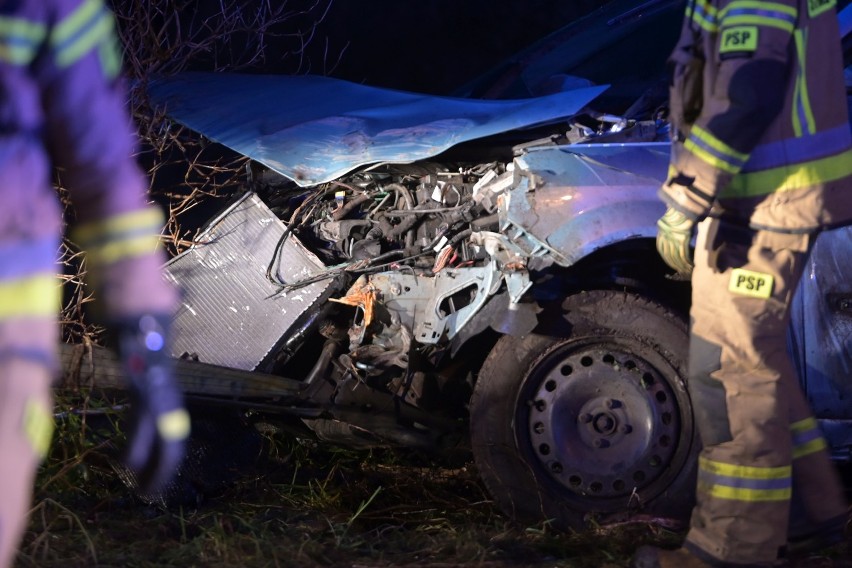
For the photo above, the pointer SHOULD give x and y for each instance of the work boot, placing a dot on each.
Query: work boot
(811, 539)
(653, 557)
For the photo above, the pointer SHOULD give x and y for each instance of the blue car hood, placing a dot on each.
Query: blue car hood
(314, 129)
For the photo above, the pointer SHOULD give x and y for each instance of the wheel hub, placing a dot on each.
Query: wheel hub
(602, 420)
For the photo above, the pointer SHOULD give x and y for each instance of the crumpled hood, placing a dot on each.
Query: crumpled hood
(314, 129)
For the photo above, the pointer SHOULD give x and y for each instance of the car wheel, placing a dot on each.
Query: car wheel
(593, 425)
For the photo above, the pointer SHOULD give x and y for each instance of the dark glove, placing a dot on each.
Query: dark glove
(674, 233)
(159, 424)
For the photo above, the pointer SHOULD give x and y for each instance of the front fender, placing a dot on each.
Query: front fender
(573, 200)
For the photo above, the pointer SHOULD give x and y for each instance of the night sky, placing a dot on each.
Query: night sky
(433, 46)
(429, 46)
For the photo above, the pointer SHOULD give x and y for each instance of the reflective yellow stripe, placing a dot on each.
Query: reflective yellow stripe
(704, 23)
(20, 40)
(790, 178)
(770, 14)
(760, 21)
(18, 27)
(110, 53)
(147, 218)
(122, 249)
(802, 100)
(93, 25)
(708, 138)
(706, 7)
(803, 425)
(174, 425)
(817, 7)
(37, 427)
(750, 495)
(758, 5)
(744, 483)
(122, 236)
(713, 151)
(38, 296)
(744, 471)
(17, 54)
(100, 33)
(708, 21)
(794, 114)
(807, 426)
(810, 448)
(709, 158)
(76, 21)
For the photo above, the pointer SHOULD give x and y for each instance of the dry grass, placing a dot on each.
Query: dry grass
(295, 503)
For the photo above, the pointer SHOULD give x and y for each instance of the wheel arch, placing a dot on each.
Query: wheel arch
(631, 265)
(517, 471)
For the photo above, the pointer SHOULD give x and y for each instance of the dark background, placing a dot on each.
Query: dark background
(434, 46)
(429, 46)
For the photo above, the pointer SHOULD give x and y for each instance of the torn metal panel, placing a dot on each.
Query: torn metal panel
(576, 199)
(430, 306)
(314, 129)
(231, 314)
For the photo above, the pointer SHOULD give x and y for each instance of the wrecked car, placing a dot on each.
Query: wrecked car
(433, 273)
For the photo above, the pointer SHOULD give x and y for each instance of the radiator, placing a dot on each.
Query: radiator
(230, 313)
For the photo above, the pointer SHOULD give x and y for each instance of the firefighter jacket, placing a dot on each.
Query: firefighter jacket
(759, 119)
(60, 87)
(63, 109)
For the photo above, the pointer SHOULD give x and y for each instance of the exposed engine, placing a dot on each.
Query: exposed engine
(410, 245)
(380, 278)
(388, 214)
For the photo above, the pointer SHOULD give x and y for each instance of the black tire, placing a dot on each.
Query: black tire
(613, 381)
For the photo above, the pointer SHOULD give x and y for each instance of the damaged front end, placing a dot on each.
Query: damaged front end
(383, 291)
(368, 323)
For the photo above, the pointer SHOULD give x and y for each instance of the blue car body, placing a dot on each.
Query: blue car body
(569, 150)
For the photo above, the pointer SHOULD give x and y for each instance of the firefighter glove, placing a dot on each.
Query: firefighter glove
(674, 233)
(158, 421)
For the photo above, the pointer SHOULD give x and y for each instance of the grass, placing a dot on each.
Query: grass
(295, 504)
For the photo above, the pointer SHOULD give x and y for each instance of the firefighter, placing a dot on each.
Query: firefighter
(62, 106)
(761, 163)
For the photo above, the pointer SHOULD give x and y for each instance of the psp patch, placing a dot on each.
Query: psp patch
(738, 40)
(750, 283)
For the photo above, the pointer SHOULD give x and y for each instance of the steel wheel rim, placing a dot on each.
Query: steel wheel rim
(597, 405)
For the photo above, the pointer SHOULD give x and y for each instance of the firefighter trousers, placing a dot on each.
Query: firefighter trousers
(761, 442)
(30, 298)
(26, 420)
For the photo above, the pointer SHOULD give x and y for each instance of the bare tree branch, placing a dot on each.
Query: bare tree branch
(188, 174)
